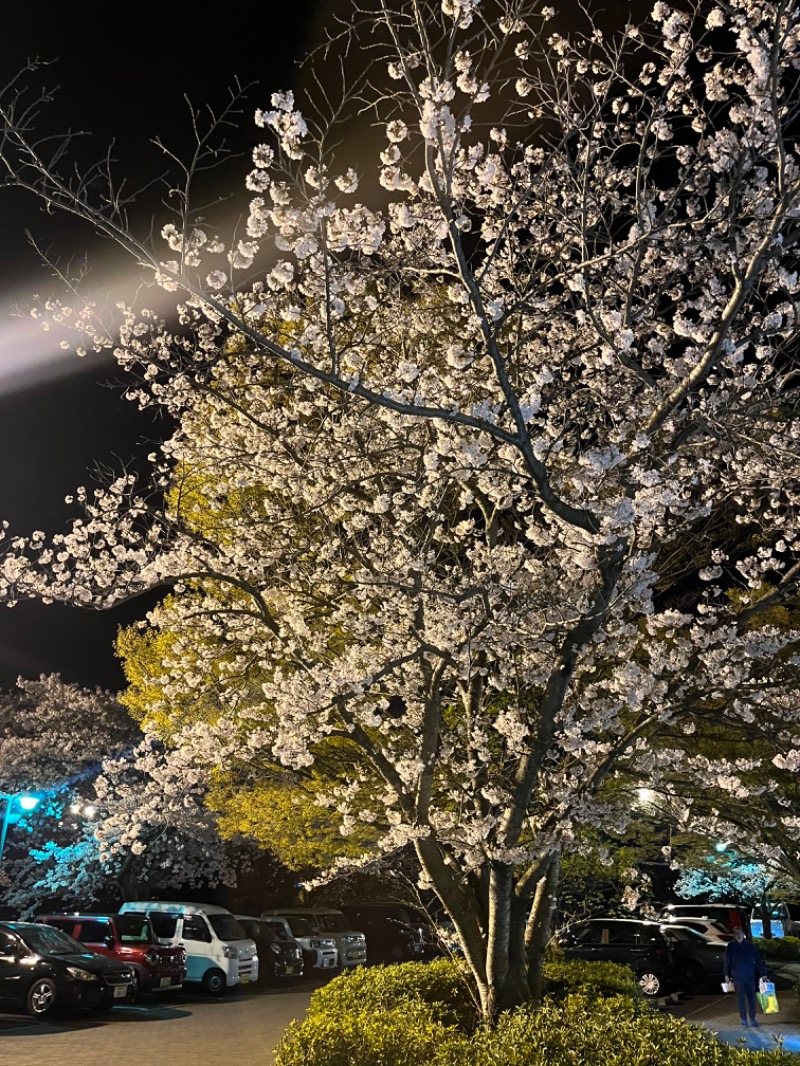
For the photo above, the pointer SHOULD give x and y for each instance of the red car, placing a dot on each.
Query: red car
(129, 938)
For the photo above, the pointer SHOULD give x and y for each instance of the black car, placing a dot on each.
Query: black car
(394, 932)
(640, 945)
(42, 969)
(279, 957)
(696, 958)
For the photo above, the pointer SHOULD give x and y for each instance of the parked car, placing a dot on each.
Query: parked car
(728, 915)
(320, 953)
(44, 969)
(697, 959)
(394, 932)
(129, 938)
(279, 955)
(641, 945)
(707, 926)
(330, 922)
(219, 954)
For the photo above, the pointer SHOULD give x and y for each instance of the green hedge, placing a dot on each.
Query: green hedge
(442, 985)
(608, 1032)
(592, 979)
(780, 947)
(408, 1035)
(391, 1017)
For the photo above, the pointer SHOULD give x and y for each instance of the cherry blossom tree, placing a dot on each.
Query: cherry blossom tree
(118, 815)
(474, 441)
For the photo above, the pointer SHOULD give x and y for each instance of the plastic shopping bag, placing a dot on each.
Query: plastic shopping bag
(768, 1002)
(767, 987)
(727, 986)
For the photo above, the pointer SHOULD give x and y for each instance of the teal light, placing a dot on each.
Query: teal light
(28, 802)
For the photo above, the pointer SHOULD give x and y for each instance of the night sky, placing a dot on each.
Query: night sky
(124, 79)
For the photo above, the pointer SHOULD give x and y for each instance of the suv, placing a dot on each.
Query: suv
(728, 914)
(328, 922)
(638, 944)
(709, 927)
(319, 953)
(279, 954)
(697, 959)
(129, 938)
(394, 933)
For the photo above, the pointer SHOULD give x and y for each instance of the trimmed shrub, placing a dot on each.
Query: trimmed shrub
(613, 1032)
(441, 985)
(783, 947)
(391, 1016)
(595, 980)
(580, 1031)
(407, 1035)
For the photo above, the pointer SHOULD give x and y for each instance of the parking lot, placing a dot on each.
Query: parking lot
(190, 1030)
(717, 1012)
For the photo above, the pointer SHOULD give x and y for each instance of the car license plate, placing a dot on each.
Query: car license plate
(165, 982)
(245, 978)
(292, 969)
(120, 992)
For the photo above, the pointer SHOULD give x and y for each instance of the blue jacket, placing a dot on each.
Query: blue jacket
(742, 961)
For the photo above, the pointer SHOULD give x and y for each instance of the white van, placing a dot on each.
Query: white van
(219, 953)
(327, 922)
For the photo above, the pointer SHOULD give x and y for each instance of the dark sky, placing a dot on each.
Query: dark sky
(124, 79)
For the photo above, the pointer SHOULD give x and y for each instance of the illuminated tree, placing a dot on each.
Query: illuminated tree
(462, 443)
(118, 816)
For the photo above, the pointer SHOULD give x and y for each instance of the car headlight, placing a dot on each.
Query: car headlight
(315, 944)
(230, 953)
(81, 975)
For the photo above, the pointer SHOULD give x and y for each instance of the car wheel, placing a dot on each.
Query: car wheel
(650, 982)
(214, 982)
(42, 998)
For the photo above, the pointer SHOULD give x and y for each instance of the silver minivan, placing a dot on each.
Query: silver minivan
(328, 922)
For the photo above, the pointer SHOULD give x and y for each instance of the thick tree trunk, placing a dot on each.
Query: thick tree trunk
(503, 930)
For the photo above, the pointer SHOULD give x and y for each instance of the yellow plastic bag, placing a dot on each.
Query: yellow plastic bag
(768, 1002)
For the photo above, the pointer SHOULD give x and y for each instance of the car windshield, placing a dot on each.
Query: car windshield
(261, 930)
(45, 940)
(226, 927)
(135, 928)
(299, 925)
(333, 923)
(278, 929)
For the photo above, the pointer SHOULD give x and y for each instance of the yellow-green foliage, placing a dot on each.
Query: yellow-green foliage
(782, 947)
(592, 979)
(144, 654)
(283, 818)
(398, 1016)
(443, 986)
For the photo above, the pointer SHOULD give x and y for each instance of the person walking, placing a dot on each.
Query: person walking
(743, 966)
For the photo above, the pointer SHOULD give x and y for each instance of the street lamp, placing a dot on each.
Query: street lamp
(25, 801)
